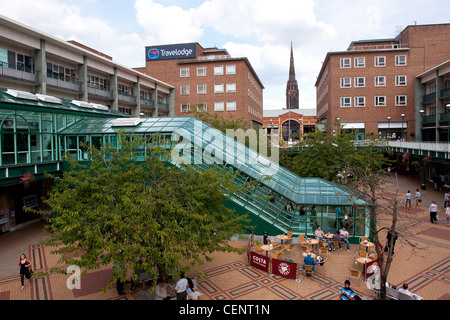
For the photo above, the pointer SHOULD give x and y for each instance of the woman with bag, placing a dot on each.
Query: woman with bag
(25, 269)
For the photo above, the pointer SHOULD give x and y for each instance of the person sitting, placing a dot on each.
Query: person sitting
(190, 290)
(319, 234)
(161, 292)
(345, 235)
(336, 237)
(309, 261)
(170, 284)
(346, 292)
(404, 290)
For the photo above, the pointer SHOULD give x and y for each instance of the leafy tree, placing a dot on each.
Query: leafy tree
(138, 214)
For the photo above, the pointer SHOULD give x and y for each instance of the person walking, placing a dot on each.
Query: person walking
(418, 199)
(25, 269)
(181, 288)
(408, 199)
(433, 212)
(447, 214)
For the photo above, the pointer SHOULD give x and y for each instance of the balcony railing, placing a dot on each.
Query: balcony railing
(428, 98)
(445, 117)
(429, 119)
(19, 72)
(444, 93)
(63, 84)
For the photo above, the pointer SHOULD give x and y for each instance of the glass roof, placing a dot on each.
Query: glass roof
(221, 148)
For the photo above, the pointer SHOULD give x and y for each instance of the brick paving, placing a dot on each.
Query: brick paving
(421, 259)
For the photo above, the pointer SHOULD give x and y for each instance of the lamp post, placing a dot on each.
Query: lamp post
(300, 129)
(271, 128)
(403, 117)
(389, 127)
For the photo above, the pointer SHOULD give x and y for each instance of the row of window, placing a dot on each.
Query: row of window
(218, 106)
(379, 81)
(201, 71)
(379, 101)
(379, 61)
(201, 88)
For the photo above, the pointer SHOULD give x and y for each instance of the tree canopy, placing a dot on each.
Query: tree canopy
(139, 214)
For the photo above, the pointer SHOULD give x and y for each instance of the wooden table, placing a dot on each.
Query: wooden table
(267, 248)
(367, 245)
(363, 261)
(313, 255)
(328, 236)
(282, 237)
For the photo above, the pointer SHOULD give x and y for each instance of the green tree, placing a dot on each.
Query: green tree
(141, 214)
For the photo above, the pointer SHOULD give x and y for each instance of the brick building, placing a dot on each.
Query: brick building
(370, 87)
(208, 80)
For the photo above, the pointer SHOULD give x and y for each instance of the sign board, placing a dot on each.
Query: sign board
(177, 51)
(30, 201)
(284, 268)
(259, 261)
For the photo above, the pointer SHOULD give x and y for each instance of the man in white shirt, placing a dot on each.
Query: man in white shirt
(345, 235)
(404, 290)
(180, 288)
(433, 212)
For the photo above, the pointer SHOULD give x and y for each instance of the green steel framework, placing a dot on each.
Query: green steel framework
(37, 134)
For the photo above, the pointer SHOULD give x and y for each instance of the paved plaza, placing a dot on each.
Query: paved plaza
(422, 259)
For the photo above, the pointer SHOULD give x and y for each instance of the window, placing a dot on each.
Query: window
(201, 71)
(218, 106)
(201, 107)
(400, 101)
(201, 89)
(360, 101)
(185, 107)
(218, 70)
(185, 90)
(346, 102)
(231, 105)
(380, 61)
(231, 87)
(360, 82)
(346, 63)
(346, 82)
(360, 62)
(380, 101)
(184, 72)
(400, 60)
(400, 80)
(218, 88)
(380, 81)
(231, 69)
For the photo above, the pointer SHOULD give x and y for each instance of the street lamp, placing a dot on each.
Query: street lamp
(421, 111)
(403, 116)
(300, 129)
(389, 127)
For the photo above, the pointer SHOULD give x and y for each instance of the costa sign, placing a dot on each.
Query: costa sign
(259, 261)
(179, 51)
(284, 268)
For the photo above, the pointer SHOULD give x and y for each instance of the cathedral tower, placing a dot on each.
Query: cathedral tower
(292, 86)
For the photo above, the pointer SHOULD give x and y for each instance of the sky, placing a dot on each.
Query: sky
(261, 30)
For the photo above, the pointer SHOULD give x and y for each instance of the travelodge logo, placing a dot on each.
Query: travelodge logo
(153, 54)
(178, 51)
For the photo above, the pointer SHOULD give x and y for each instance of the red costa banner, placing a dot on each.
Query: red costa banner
(259, 261)
(284, 268)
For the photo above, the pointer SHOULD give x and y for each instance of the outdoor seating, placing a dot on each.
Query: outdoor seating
(275, 255)
(306, 249)
(321, 264)
(361, 239)
(355, 274)
(274, 243)
(360, 254)
(280, 250)
(289, 247)
(307, 270)
(323, 251)
(334, 245)
(302, 239)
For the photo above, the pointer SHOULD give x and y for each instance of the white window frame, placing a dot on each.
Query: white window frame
(360, 82)
(231, 87)
(185, 90)
(379, 63)
(200, 87)
(218, 70)
(345, 65)
(344, 84)
(185, 107)
(398, 100)
(230, 69)
(399, 82)
(379, 83)
(202, 107)
(360, 62)
(399, 61)
(358, 101)
(231, 105)
(218, 88)
(201, 71)
(184, 72)
(380, 101)
(346, 102)
(219, 106)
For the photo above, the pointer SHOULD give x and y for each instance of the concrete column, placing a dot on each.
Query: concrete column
(171, 102)
(419, 93)
(115, 97)
(137, 93)
(83, 79)
(40, 65)
(440, 106)
(155, 102)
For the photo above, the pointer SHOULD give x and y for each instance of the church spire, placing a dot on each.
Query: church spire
(292, 86)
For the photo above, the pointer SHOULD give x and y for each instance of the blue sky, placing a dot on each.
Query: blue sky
(260, 30)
